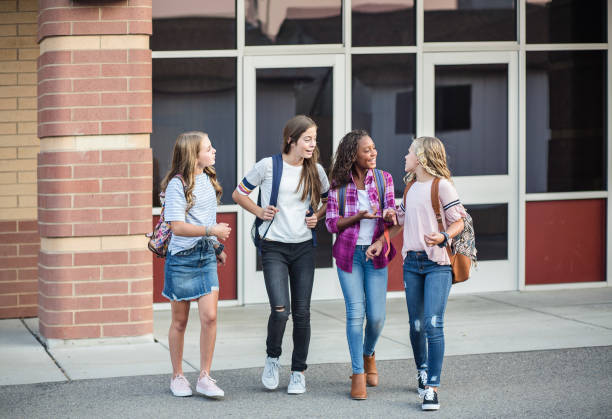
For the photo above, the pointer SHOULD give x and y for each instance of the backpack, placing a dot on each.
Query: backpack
(277, 173)
(159, 238)
(462, 251)
(379, 179)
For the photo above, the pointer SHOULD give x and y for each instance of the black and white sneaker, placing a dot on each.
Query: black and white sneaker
(430, 400)
(422, 382)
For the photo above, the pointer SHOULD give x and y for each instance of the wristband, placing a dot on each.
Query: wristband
(206, 230)
(446, 239)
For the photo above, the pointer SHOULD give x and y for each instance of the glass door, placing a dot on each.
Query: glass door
(468, 103)
(275, 89)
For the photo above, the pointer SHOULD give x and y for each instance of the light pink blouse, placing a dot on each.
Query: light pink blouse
(418, 218)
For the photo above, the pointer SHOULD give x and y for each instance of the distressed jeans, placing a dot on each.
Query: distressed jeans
(365, 296)
(427, 286)
(288, 270)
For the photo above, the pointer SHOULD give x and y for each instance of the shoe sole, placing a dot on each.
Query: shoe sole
(182, 394)
(269, 387)
(213, 396)
(296, 392)
(431, 407)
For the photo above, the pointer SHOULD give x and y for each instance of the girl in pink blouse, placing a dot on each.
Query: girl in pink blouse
(427, 270)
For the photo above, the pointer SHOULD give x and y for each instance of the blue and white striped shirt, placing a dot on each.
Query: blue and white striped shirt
(203, 212)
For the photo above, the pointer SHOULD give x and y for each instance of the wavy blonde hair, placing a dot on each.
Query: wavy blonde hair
(184, 160)
(431, 154)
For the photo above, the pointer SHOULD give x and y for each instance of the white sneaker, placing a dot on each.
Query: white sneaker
(206, 386)
(297, 383)
(180, 387)
(269, 378)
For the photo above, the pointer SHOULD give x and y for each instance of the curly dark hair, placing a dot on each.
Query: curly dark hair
(346, 154)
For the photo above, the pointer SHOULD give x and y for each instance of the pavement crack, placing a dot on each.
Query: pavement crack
(42, 343)
(543, 312)
(184, 360)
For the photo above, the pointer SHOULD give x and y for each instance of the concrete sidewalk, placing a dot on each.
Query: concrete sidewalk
(474, 324)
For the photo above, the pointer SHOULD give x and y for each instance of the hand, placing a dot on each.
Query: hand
(390, 216)
(268, 212)
(433, 239)
(222, 257)
(374, 250)
(221, 231)
(311, 221)
(365, 214)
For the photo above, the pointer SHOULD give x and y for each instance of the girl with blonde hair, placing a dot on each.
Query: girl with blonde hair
(427, 269)
(192, 194)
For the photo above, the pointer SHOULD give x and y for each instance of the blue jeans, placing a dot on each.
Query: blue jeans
(365, 294)
(427, 286)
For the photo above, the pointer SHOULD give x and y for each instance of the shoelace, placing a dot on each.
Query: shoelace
(273, 369)
(296, 378)
(422, 375)
(209, 377)
(429, 394)
(182, 380)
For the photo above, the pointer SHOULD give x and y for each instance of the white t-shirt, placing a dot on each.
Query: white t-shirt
(289, 224)
(203, 212)
(366, 227)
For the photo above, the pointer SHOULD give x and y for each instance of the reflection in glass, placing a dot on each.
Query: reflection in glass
(470, 20)
(195, 94)
(384, 104)
(471, 117)
(283, 93)
(566, 21)
(193, 25)
(490, 230)
(383, 23)
(566, 121)
(293, 22)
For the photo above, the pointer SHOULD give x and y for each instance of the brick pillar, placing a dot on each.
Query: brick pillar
(94, 169)
(19, 146)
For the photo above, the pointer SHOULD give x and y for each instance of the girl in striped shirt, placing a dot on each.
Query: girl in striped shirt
(192, 193)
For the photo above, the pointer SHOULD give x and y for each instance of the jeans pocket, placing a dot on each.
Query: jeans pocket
(186, 252)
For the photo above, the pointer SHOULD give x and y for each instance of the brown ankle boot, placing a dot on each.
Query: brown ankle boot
(369, 365)
(358, 387)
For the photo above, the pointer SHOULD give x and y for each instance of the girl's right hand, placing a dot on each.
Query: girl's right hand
(365, 214)
(221, 231)
(268, 212)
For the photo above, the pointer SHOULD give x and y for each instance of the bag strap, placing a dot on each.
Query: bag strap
(406, 189)
(341, 199)
(435, 203)
(277, 173)
(379, 179)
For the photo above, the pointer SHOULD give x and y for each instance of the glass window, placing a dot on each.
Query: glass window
(195, 94)
(552, 21)
(384, 104)
(283, 93)
(387, 23)
(191, 25)
(490, 230)
(293, 22)
(471, 117)
(566, 121)
(470, 20)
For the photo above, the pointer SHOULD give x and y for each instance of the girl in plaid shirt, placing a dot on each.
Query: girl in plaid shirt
(361, 216)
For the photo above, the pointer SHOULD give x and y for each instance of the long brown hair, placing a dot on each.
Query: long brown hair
(345, 157)
(431, 155)
(184, 160)
(310, 183)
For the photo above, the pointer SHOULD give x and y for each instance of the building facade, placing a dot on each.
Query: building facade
(95, 93)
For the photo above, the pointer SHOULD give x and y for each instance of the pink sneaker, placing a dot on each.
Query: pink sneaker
(180, 386)
(207, 387)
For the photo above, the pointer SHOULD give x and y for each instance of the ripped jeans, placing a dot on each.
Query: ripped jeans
(427, 286)
(288, 270)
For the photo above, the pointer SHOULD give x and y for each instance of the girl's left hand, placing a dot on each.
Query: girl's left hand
(390, 216)
(432, 239)
(222, 257)
(311, 221)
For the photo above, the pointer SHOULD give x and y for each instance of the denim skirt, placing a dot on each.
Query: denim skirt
(192, 273)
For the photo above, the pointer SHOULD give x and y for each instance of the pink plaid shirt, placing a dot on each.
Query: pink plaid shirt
(346, 240)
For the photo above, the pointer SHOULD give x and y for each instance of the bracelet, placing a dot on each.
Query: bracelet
(446, 239)
(206, 232)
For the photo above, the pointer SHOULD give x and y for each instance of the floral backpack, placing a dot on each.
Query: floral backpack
(159, 238)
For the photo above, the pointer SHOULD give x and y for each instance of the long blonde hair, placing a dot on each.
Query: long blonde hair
(184, 160)
(310, 183)
(431, 155)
